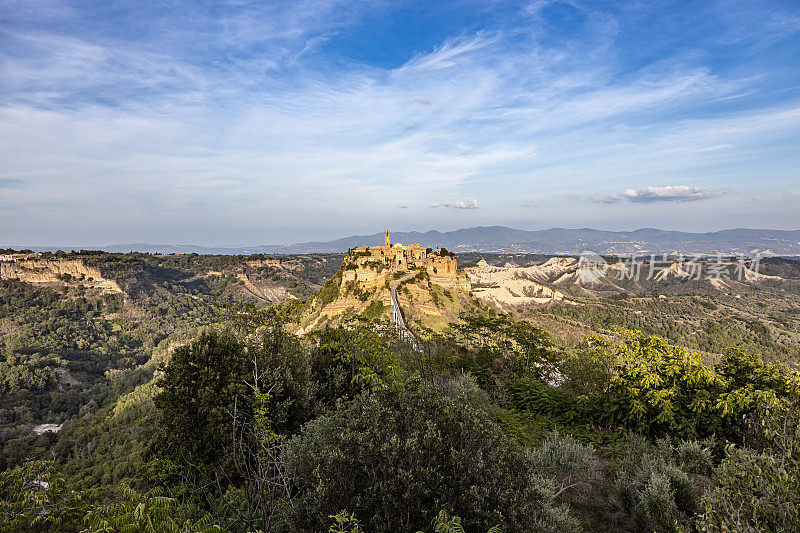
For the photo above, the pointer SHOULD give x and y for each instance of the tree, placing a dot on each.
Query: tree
(226, 408)
(668, 390)
(392, 457)
(495, 347)
(34, 497)
(147, 513)
(201, 387)
(759, 490)
(662, 389)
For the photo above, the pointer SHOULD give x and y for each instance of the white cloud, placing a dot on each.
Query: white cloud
(671, 193)
(451, 53)
(147, 131)
(459, 204)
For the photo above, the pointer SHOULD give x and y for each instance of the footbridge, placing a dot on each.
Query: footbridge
(402, 330)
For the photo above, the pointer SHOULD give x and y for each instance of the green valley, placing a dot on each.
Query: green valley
(273, 393)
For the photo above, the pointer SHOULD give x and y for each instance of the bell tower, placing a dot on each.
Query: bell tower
(386, 239)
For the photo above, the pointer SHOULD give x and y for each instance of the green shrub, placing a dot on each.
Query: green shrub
(344, 522)
(530, 394)
(587, 372)
(216, 375)
(34, 497)
(145, 512)
(330, 291)
(395, 456)
(663, 390)
(497, 347)
(445, 523)
(695, 456)
(759, 490)
(374, 310)
(564, 460)
(652, 488)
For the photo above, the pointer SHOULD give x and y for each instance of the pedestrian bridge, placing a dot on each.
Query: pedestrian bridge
(400, 324)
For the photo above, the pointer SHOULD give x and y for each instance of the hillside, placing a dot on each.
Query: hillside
(77, 329)
(431, 290)
(760, 313)
(254, 277)
(180, 376)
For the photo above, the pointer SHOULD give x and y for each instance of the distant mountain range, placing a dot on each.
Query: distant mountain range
(509, 240)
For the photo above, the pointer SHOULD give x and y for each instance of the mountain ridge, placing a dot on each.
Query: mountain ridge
(504, 239)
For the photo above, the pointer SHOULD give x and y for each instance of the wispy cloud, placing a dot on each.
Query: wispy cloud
(422, 100)
(459, 204)
(672, 193)
(452, 52)
(276, 116)
(11, 183)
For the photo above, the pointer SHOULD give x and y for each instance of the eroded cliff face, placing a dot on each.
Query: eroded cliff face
(363, 282)
(347, 295)
(561, 278)
(510, 286)
(57, 271)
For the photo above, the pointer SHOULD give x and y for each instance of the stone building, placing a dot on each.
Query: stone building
(406, 257)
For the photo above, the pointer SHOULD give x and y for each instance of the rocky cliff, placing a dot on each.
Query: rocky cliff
(57, 271)
(361, 289)
(562, 278)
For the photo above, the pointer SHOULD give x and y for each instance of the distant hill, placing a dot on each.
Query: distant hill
(510, 240)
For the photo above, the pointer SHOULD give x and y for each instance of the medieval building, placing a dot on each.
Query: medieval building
(406, 257)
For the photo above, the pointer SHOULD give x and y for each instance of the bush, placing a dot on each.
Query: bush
(496, 348)
(34, 497)
(662, 389)
(394, 457)
(374, 310)
(652, 488)
(216, 376)
(667, 390)
(588, 371)
(759, 490)
(564, 460)
(330, 291)
(145, 512)
(530, 394)
(695, 456)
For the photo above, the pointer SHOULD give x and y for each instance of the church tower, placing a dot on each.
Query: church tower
(387, 241)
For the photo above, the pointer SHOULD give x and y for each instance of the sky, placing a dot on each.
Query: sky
(241, 123)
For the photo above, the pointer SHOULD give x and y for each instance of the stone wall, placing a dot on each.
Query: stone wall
(441, 265)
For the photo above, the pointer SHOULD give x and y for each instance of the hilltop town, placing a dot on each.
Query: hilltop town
(440, 264)
(430, 278)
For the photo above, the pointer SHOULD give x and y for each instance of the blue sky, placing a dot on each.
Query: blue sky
(239, 122)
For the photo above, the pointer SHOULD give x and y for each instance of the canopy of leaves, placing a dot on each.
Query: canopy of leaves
(667, 390)
(394, 456)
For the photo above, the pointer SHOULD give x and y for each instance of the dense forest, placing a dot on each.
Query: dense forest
(189, 407)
